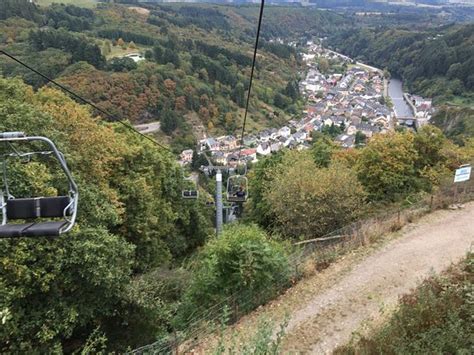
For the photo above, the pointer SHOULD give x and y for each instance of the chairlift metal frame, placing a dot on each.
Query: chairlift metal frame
(231, 193)
(190, 194)
(36, 207)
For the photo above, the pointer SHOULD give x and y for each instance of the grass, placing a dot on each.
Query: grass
(434, 318)
(81, 3)
(117, 51)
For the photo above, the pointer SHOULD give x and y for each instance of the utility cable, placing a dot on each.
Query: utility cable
(77, 96)
(260, 17)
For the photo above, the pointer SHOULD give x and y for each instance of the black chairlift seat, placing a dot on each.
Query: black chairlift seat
(33, 209)
(37, 216)
(190, 194)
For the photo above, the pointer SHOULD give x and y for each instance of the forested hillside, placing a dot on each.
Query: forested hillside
(131, 220)
(437, 62)
(197, 60)
(141, 260)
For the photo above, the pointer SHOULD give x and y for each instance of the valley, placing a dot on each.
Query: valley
(358, 116)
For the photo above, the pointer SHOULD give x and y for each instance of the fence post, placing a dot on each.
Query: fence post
(398, 216)
(431, 202)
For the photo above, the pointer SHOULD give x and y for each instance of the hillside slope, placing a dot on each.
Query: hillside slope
(326, 309)
(431, 245)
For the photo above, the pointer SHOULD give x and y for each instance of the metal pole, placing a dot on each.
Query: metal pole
(219, 217)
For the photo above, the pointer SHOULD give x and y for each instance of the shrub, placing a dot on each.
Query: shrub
(242, 268)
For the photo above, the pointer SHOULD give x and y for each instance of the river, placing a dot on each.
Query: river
(395, 91)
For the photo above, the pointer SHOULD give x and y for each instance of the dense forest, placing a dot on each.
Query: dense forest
(142, 263)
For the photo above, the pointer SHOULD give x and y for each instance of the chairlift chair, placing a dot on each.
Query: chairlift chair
(190, 193)
(237, 184)
(35, 216)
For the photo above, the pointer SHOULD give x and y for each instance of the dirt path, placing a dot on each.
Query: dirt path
(330, 316)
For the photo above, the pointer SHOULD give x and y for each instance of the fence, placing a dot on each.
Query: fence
(315, 253)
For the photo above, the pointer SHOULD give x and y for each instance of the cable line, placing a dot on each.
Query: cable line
(73, 94)
(260, 17)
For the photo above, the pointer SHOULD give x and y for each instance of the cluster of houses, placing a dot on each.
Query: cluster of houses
(228, 149)
(422, 108)
(353, 101)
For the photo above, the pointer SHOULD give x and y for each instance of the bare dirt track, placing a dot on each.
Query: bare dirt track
(332, 313)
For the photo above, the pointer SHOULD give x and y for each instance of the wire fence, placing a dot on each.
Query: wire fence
(317, 253)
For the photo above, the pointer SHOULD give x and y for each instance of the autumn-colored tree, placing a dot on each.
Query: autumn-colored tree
(204, 113)
(180, 103)
(170, 85)
(204, 99)
(121, 94)
(213, 111)
(386, 166)
(308, 201)
(346, 157)
(120, 42)
(130, 220)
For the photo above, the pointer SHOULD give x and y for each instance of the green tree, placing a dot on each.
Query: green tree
(308, 201)
(238, 95)
(323, 65)
(121, 64)
(386, 166)
(360, 139)
(169, 121)
(322, 150)
(242, 263)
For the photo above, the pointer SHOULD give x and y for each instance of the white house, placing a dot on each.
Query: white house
(187, 156)
(299, 136)
(137, 57)
(285, 131)
(212, 144)
(275, 147)
(264, 148)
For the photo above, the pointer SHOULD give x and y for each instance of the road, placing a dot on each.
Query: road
(150, 127)
(332, 314)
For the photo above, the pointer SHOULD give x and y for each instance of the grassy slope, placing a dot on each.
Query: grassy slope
(81, 3)
(434, 318)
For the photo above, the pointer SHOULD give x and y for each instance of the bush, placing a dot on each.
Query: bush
(243, 265)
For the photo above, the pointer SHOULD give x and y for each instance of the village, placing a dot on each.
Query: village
(346, 99)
